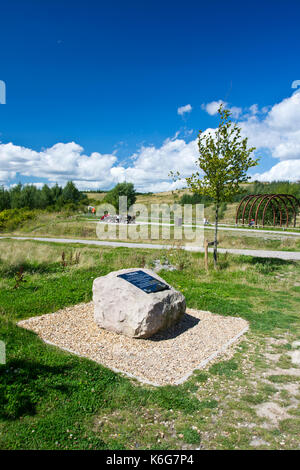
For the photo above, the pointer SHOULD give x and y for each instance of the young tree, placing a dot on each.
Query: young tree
(56, 192)
(4, 199)
(70, 193)
(29, 196)
(15, 196)
(45, 197)
(223, 162)
(121, 189)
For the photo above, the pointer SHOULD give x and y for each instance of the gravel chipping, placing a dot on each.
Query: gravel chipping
(166, 358)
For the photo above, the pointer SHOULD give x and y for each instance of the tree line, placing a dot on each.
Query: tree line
(276, 187)
(31, 197)
(257, 187)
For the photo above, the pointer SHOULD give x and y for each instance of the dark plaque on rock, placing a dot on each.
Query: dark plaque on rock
(144, 281)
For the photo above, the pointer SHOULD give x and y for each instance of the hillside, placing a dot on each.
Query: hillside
(172, 197)
(227, 212)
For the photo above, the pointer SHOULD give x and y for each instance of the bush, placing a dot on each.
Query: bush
(195, 199)
(10, 219)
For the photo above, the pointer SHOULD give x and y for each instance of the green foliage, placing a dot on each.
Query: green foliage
(224, 158)
(4, 199)
(149, 193)
(30, 197)
(195, 198)
(282, 379)
(121, 189)
(201, 376)
(10, 219)
(208, 404)
(70, 193)
(222, 210)
(276, 187)
(227, 368)
(191, 436)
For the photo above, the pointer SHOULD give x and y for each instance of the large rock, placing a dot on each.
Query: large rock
(126, 309)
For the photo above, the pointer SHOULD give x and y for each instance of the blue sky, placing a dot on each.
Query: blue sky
(93, 88)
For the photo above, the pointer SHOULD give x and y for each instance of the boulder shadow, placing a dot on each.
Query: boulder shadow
(187, 322)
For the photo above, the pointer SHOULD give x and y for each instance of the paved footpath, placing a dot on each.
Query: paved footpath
(250, 231)
(286, 255)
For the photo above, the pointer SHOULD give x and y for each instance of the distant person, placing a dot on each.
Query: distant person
(251, 223)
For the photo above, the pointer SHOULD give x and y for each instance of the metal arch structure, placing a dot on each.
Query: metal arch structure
(276, 198)
(293, 200)
(278, 207)
(281, 204)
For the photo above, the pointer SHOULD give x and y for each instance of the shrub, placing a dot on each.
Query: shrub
(10, 219)
(195, 199)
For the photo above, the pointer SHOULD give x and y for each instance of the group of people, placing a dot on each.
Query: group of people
(114, 218)
(128, 219)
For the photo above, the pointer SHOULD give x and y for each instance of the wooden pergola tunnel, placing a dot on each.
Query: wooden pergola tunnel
(273, 209)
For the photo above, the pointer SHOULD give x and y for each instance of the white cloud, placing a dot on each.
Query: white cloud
(285, 170)
(277, 131)
(150, 166)
(59, 163)
(235, 112)
(286, 114)
(212, 107)
(6, 175)
(253, 109)
(184, 109)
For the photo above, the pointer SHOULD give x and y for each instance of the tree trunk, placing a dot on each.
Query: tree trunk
(216, 235)
(206, 254)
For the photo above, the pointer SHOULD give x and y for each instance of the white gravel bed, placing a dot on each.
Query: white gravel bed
(166, 358)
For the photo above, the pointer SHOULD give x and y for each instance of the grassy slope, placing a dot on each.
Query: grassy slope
(170, 197)
(54, 400)
(59, 225)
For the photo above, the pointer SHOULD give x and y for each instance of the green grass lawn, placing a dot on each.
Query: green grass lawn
(50, 399)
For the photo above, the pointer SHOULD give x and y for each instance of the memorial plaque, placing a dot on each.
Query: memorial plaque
(122, 303)
(144, 281)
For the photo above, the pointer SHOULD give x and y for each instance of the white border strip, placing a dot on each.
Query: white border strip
(212, 356)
